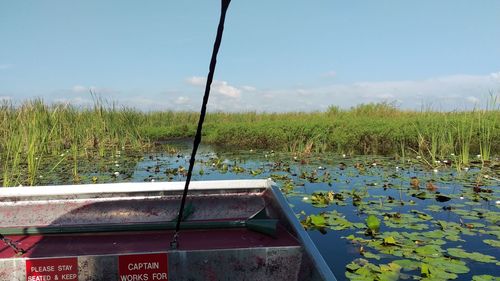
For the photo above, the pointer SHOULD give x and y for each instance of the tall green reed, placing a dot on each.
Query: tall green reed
(486, 124)
(33, 133)
(465, 129)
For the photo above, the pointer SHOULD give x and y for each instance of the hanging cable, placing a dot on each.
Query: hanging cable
(18, 250)
(197, 138)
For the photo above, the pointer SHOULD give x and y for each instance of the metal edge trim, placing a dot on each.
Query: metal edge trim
(126, 187)
(309, 245)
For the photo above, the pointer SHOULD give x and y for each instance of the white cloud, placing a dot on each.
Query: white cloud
(381, 96)
(197, 81)
(330, 74)
(146, 103)
(495, 76)
(473, 100)
(219, 87)
(248, 88)
(80, 89)
(182, 100)
(303, 92)
(223, 88)
(79, 95)
(77, 101)
(450, 92)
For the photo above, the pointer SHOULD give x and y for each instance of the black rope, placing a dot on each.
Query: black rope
(197, 138)
(18, 250)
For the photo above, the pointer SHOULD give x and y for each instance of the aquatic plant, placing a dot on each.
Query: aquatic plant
(45, 131)
(33, 133)
(486, 124)
(464, 137)
(373, 224)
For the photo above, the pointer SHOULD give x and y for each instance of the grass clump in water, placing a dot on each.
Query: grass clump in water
(34, 133)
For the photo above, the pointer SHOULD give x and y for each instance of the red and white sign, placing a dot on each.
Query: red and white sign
(144, 267)
(59, 269)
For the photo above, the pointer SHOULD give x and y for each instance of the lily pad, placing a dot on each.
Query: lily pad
(434, 208)
(337, 221)
(408, 264)
(318, 220)
(448, 265)
(429, 251)
(322, 199)
(370, 255)
(421, 195)
(361, 269)
(485, 277)
(460, 253)
(435, 273)
(422, 215)
(389, 240)
(494, 243)
(425, 270)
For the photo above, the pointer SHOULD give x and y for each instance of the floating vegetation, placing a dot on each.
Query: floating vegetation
(322, 199)
(373, 225)
(460, 253)
(361, 269)
(388, 226)
(395, 229)
(485, 277)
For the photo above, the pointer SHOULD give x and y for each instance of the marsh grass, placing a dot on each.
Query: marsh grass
(465, 129)
(34, 134)
(486, 124)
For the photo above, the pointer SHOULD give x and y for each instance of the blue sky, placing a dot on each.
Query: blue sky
(275, 56)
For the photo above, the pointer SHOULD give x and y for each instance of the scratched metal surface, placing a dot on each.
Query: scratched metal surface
(126, 209)
(283, 259)
(274, 264)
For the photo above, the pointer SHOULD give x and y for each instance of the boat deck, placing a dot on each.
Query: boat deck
(58, 245)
